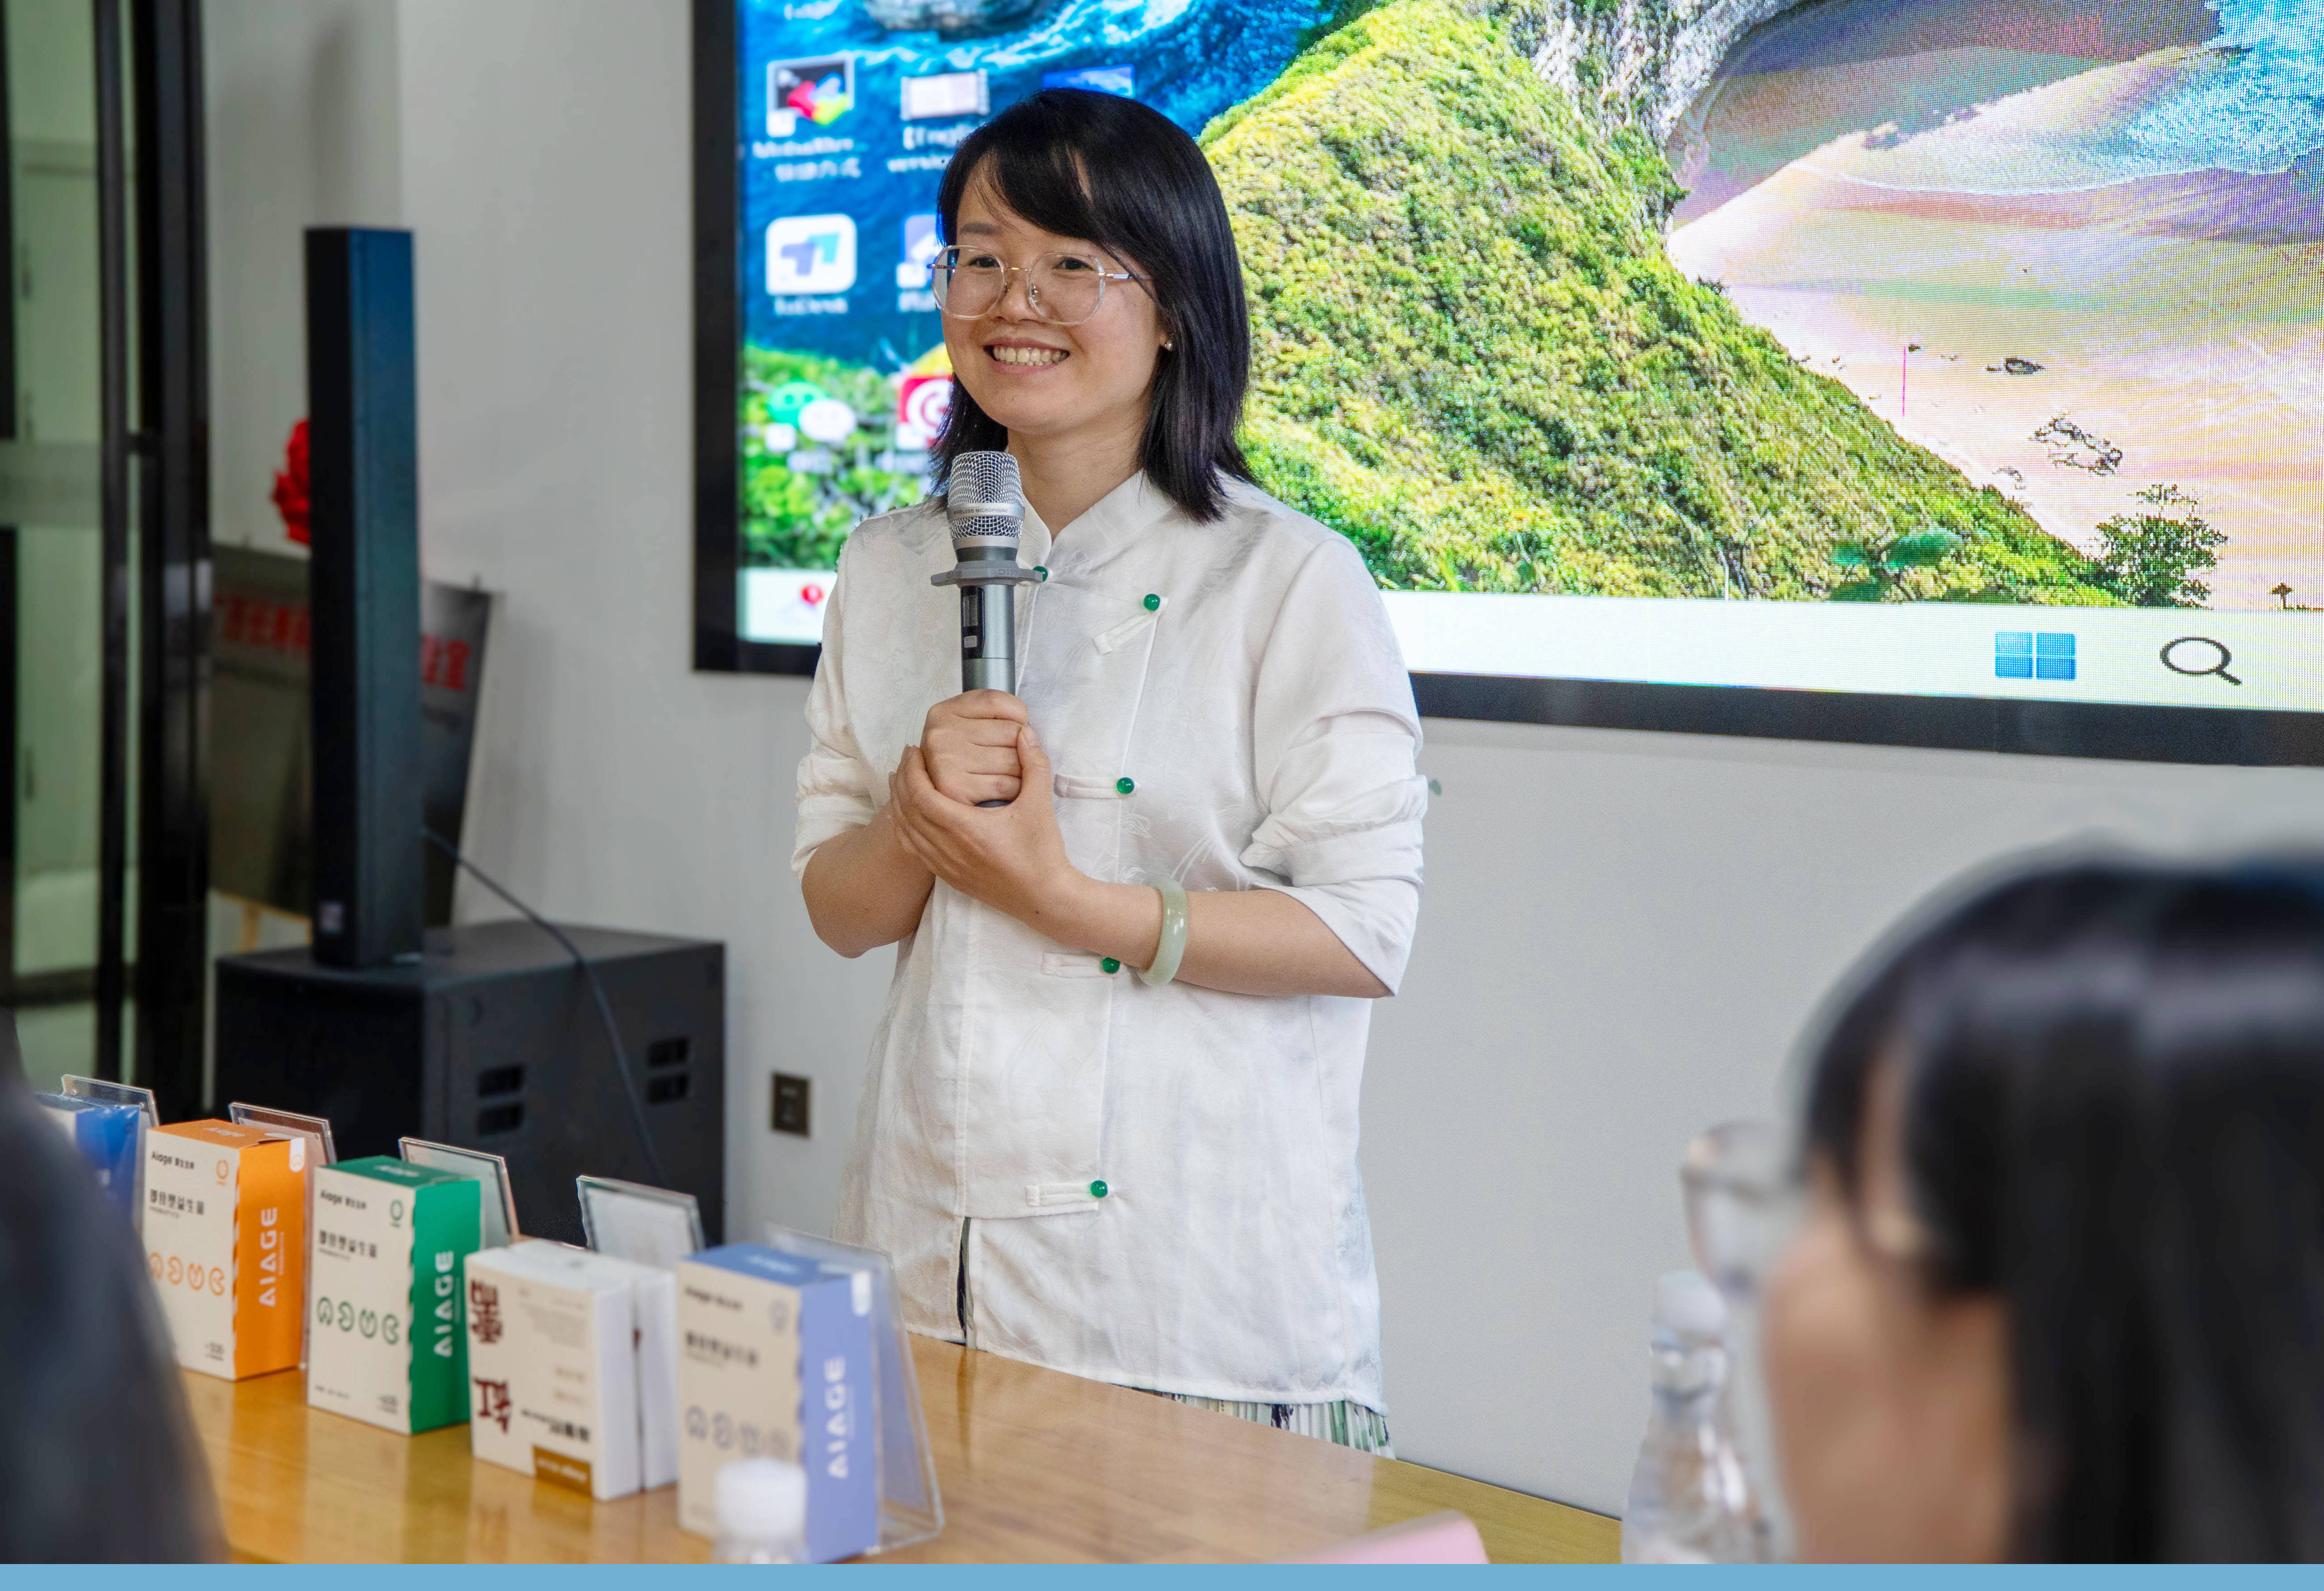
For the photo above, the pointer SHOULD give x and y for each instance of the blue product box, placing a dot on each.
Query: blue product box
(775, 1361)
(111, 1138)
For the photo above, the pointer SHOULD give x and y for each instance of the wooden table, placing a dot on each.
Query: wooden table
(1034, 1466)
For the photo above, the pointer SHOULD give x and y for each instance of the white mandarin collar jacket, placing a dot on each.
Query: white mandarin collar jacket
(1161, 1184)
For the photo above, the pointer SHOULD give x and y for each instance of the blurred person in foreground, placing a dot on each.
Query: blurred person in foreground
(98, 1459)
(2058, 1294)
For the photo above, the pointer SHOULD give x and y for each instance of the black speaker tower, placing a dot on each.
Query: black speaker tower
(363, 439)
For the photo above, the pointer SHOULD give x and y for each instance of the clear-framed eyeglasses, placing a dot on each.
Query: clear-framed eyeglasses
(1063, 288)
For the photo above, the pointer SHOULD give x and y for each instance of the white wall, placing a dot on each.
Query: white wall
(1622, 937)
(1622, 932)
(302, 130)
(545, 176)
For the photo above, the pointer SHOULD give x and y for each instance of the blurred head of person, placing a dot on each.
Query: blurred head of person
(2058, 1294)
(97, 1459)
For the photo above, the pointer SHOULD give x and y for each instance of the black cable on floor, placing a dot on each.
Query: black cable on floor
(596, 990)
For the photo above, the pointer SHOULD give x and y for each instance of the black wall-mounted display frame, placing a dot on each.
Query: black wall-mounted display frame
(2037, 728)
(718, 642)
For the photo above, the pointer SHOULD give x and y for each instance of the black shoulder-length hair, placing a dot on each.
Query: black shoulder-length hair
(1126, 178)
(2114, 1121)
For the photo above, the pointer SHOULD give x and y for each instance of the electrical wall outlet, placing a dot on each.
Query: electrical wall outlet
(790, 1104)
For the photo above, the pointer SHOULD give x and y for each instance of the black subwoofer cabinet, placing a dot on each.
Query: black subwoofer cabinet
(491, 1042)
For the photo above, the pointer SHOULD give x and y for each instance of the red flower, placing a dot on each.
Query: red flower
(290, 486)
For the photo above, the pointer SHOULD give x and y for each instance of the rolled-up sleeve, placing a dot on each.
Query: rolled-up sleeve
(838, 790)
(1335, 738)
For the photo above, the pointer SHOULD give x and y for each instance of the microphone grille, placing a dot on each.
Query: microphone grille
(985, 477)
(979, 483)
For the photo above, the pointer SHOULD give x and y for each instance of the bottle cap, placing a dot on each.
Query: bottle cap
(1685, 1301)
(757, 1498)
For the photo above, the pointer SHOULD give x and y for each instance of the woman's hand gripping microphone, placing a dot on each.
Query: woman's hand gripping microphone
(1013, 857)
(969, 742)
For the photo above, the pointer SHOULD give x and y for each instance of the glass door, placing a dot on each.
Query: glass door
(105, 560)
(64, 582)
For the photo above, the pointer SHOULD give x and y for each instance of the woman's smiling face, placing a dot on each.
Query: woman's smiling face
(1045, 382)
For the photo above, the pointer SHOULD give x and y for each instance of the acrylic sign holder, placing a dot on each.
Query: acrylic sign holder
(630, 1221)
(290, 1124)
(114, 1094)
(910, 1510)
(491, 1170)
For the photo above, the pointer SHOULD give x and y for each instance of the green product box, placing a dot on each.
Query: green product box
(391, 1344)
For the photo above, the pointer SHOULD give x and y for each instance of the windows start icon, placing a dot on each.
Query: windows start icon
(2027, 654)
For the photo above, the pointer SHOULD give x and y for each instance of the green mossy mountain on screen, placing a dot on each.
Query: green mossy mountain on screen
(1474, 357)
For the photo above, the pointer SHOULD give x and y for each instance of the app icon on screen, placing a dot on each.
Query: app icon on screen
(818, 88)
(923, 241)
(811, 254)
(1102, 79)
(922, 402)
(946, 94)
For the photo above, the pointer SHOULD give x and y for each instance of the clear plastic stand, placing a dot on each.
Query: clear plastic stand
(498, 1202)
(910, 1510)
(112, 1094)
(630, 1221)
(290, 1124)
(315, 1132)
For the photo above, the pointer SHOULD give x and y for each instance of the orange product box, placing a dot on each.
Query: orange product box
(226, 1243)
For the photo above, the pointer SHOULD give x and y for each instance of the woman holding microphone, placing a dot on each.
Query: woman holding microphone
(1111, 1121)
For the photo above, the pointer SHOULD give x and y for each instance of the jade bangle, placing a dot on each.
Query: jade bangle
(1171, 950)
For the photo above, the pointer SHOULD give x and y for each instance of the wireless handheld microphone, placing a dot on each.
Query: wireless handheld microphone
(986, 504)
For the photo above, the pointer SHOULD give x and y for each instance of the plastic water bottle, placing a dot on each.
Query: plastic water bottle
(761, 1512)
(1690, 1498)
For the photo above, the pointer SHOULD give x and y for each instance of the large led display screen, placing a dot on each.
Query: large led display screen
(1927, 348)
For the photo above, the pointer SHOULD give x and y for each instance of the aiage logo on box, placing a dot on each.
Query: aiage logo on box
(811, 254)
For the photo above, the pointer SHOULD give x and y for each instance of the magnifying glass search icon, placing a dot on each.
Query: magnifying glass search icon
(2199, 655)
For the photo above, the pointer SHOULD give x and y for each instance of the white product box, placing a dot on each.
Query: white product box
(775, 1361)
(573, 1367)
